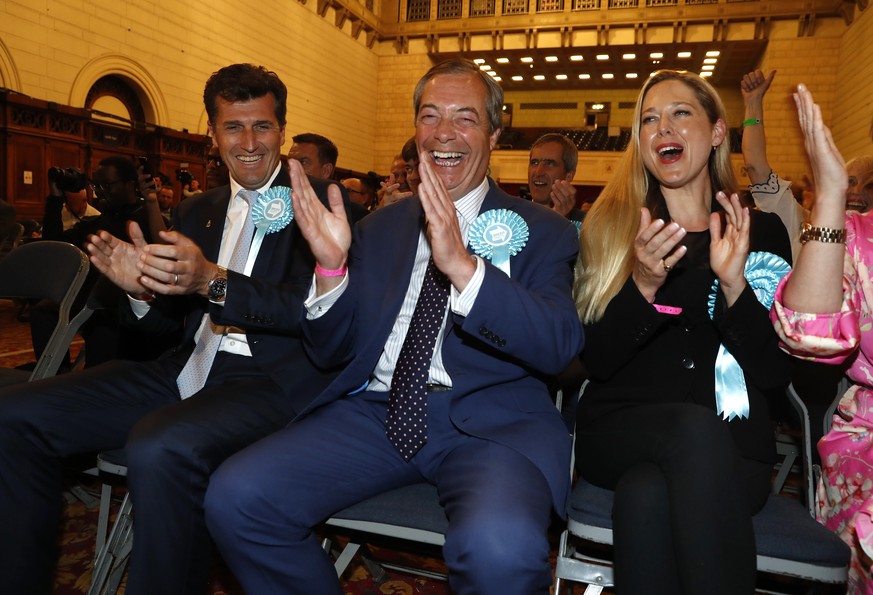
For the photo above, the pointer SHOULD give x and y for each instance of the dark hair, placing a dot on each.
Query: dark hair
(327, 151)
(124, 167)
(409, 152)
(244, 82)
(493, 92)
(569, 153)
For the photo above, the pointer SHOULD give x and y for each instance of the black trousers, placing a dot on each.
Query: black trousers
(684, 499)
(172, 448)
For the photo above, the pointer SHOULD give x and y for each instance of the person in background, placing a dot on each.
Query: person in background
(217, 174)
(360, 193)
(409, 153)
(396, 186)
(192, 189)
(76, 207)
(661, 289)
(317, 154)
(552, 166)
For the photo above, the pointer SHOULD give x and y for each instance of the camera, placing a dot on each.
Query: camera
(184, 176)
(69, 179)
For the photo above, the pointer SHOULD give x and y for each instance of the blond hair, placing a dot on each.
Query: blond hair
(606, 256)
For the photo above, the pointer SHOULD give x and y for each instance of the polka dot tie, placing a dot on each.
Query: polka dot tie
(406, 422)
(193, 376)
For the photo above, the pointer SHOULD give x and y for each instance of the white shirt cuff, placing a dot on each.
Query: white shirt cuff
(317, 306)
(462, 301)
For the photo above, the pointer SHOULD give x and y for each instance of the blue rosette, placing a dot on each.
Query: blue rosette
(763, 273)
(273, 211)
(498, 235)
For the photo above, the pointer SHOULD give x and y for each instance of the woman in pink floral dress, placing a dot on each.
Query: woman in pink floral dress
(824, 311)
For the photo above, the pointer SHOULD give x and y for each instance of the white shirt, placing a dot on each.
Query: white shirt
(234, 339)
(467, 209)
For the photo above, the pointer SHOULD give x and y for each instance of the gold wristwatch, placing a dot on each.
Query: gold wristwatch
(826, 235)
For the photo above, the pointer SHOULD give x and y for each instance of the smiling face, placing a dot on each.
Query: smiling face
(676, 134)
(859, 194)
(546, 165)
(452, 131)
(249, 139)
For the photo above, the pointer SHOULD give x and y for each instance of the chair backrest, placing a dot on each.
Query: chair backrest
(47, 270)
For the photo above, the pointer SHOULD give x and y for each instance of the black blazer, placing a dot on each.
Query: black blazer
(636, 355)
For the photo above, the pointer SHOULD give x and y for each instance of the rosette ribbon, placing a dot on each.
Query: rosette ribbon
(763, 272)
(272, 211)
(498, 235)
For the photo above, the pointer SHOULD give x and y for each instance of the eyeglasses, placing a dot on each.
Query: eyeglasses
(103, 186)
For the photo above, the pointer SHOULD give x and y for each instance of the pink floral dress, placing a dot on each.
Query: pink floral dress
(845, 492)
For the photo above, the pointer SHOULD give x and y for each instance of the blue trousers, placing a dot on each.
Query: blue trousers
(172, 448)
(262, 503)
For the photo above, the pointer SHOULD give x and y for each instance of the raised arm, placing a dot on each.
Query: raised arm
(753, 87)
(816, 284)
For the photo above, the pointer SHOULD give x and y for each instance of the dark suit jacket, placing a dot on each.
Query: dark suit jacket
(520, 329)
(636, 355)
(267, 305)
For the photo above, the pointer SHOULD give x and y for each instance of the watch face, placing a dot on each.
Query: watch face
(217, 288)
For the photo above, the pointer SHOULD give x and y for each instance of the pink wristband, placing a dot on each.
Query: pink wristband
(667, 309)
(340, 272)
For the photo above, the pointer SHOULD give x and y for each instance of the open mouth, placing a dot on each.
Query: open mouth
(446, 159)
(670, 153)
(854, 204)
(249, 158)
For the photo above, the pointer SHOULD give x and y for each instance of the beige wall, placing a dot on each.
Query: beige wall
(852, 116)
(58, 48)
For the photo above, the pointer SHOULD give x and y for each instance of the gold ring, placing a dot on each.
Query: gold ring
(667, 267)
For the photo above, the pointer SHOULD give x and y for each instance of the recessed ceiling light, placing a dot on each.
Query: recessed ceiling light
(551, 58)
(707, 67)
(479, 61)
(710, 60)
(561, 77)
(597, 106)
(705, 74)
(630, 75)
(584, 77)
(527, 59)
(518, 78)
(608, 76)
(576, 58)
(503, 60)
(713, 53)
(683, 55)
(484, 67)
(656, 55)
(628, 56)
(498, 79)
(491, 73)
(539, 77)
(603, 56)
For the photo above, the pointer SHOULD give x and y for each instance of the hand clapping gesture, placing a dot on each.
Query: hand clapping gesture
(729, 247)
(656, 251)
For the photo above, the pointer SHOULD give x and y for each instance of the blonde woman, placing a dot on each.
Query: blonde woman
(681, 353)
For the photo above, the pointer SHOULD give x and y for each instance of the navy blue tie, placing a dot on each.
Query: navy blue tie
(406, 422)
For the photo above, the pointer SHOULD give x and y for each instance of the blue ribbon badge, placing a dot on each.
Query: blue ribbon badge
(763, 272)
(273, 210)
(497, 235)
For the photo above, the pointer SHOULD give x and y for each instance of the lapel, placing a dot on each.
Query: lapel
(211, 225)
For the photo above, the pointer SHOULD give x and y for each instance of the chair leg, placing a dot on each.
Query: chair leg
(111, 560)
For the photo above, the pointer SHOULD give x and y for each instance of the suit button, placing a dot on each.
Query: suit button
(688, 363)
(483, 331)
(502, 342)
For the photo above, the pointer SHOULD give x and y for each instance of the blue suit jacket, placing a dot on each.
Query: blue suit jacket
(519, 331)
(268, 304)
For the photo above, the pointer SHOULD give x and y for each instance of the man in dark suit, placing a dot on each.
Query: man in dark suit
(481, 425)
(550, 171)
(233, 276)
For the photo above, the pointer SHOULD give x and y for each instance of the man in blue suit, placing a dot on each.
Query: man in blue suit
(232, 278)
(479, 422)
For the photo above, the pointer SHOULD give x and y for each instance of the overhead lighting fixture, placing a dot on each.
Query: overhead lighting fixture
(485, 67)
(561, 77)
(479, 61)
(705, 74)
(608, 76)
(576, 58)
(710, 60)
(713, 53)
(597, 106)
(503, 60)
(551, 58)
(628, 56)
(630, 75)
(491, 73)
(656, 55)
(603, 56)
(584, 77)
(498, 79)
(539, 77)
(709, 67)
(683, 55)
(527, 60)
(518, 78)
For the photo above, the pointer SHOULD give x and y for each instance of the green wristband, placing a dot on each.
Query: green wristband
(752, 122)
